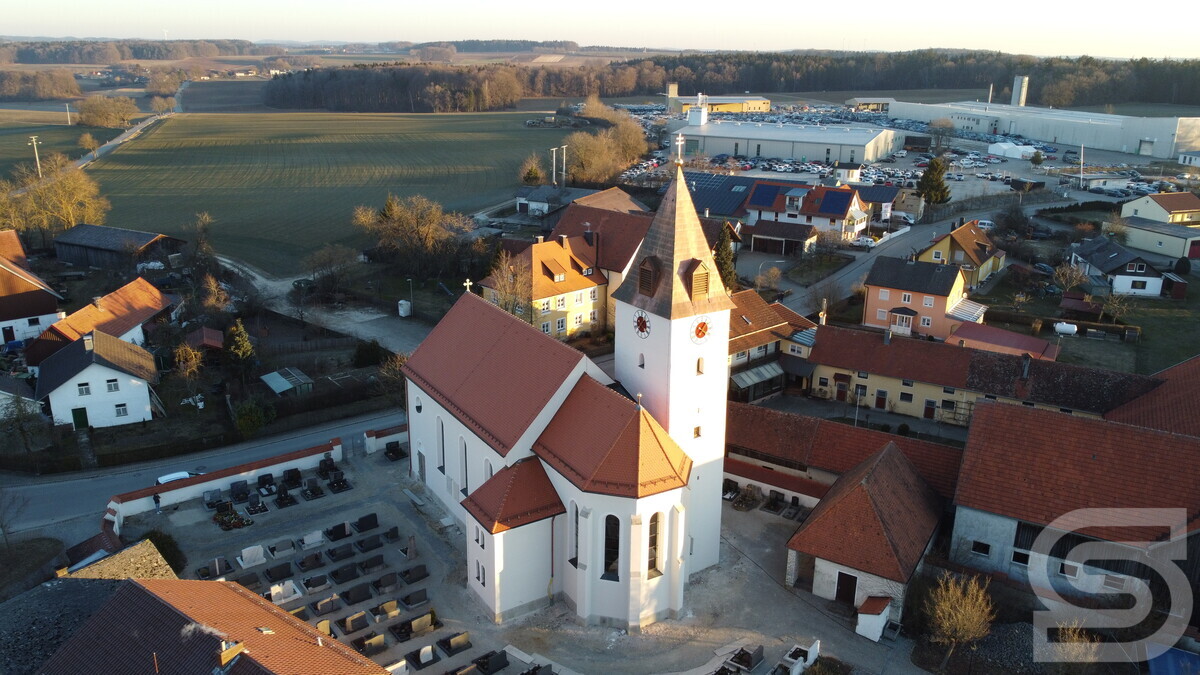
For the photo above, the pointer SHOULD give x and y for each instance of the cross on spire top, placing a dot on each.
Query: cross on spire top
(679, 149)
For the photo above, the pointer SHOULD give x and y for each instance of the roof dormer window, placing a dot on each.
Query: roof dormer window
(560, 277)
(648, 276)
(700, 282)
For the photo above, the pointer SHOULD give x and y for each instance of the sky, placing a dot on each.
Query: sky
(1017, 26)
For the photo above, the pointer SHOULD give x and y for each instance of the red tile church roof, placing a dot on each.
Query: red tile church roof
(517, 495)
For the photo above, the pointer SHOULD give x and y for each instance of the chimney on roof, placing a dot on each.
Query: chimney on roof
(824, 312)
(588, 236)
(706, 212)
(962, 343)
(96, 300)
(1025, 359)
(229, 650)
(87, 342)
(887, 337)
(562, 240)
(539, 238)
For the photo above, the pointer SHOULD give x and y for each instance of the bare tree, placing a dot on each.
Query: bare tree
(1116, 305)
(1068, 276)
(24, 421)
(769, 279)
(511, 284)
(941, 129)
(1117, 228)
(12, 506)
(89, 143)
(215, 299)
(162, 104)
(960, 612)
(391, 378)
(65, 197)
(1019, 300)
(328, 265)
(188, 362)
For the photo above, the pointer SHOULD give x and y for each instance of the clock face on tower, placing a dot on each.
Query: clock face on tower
(700, 329)
(641, 323)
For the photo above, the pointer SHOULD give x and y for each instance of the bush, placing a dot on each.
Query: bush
(169, 549)
(903, 429)
(885, 428)
(368, 354)
(825, 665)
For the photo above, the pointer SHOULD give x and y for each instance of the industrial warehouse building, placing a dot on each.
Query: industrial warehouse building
(1162, 137)
(795, 141)
(730, 104)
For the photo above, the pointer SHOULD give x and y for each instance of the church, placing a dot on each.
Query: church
(602, 494)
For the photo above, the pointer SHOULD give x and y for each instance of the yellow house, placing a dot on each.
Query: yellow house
(940, 381)
(970, 249)
(569, 292)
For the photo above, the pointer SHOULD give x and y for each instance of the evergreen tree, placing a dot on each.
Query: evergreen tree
(239, 349)
(723, 255)
(932, 186)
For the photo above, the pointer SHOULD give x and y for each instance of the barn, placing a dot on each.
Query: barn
(112, 247)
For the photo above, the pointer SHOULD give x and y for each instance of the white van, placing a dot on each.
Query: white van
(178, 475)
(902, 218)
(985, 225)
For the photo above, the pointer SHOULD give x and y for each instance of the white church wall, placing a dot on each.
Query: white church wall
(482, 570)
(521, 578)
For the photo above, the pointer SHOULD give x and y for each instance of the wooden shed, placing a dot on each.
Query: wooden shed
(112, 247)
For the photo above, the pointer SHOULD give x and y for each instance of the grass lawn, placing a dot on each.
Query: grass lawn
(24, 557)
(16, 126)
(811, 269)
(281, 185)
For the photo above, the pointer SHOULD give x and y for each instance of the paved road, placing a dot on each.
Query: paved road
(69, 506)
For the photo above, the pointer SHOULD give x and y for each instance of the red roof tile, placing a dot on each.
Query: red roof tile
(116, 314)
(752, 322)
(1037, 465)
(1169, 407)
(176, 627)
(570, 258)
(794, 320)
(209, 338)
(974, 242)
(517, 495)
(992, 339)
(618, 233)
(833, 446)
(779, 479)
(604, 443)
(11, 248)
(875, 605)
(477, 356)
(877, 518)
(904, 358)
(1175, 202)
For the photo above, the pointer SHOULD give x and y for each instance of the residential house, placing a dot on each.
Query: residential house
(98, 381)
(880, 200)
(1023, 470)
(835, 210)
(539, 200)
(848, 172)
(936, 380)
(1179, 208)
(27, 303)
(774, 222)
(759, 335)
(993, 339)
(569, 292)
(970, 249)
(122, 313)
(1114, 268)
(866, 539)
(910, 297)
(112, 248)
(1165, 239)
(181, 625)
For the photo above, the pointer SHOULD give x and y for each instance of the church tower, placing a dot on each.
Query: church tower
(672, 350)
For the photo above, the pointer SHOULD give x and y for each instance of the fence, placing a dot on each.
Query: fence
(999, 201)
(319, 344)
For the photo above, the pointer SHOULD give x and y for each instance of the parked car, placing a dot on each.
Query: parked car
(1044, 268)
(986, 225)
(864, 242)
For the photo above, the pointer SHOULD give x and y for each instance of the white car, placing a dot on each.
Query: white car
(864, 242)
(986, 225)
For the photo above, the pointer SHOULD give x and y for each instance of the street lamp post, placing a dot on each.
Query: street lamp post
(34, 142)
(411, 306)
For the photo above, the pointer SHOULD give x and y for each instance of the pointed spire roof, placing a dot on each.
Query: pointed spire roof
(673, 274)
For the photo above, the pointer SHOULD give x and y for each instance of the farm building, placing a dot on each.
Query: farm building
(1162, 137)
(112, 247)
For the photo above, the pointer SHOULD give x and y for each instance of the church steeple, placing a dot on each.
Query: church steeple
(674, 275)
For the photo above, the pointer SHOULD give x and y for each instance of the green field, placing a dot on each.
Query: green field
(53, 136)
(281, 185)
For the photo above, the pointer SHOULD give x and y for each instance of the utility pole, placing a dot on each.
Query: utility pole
(68, 114)
(34, 142)
(564, 165)
(553, 166)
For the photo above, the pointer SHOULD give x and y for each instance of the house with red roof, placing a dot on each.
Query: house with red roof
(570, 485)
(867, 538)
(761, 338)
(838, 211)
(1178, 208)
(27, 303)
(1030, 477)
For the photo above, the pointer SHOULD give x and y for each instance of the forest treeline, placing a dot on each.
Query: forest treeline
(37, 86)
(476, 46)
(1056, 81)
(107, 52)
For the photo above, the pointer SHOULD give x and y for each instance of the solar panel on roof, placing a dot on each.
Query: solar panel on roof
(764, 195)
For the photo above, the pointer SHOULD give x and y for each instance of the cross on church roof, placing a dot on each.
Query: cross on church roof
(679, 149)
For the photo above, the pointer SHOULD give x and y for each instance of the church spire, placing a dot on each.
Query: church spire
(674, 275)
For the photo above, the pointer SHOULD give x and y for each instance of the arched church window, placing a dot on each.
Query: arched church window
(417, 404)
(574, 559)
(462, 463)
(441, 457)
(612, 548)
(641, 360)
